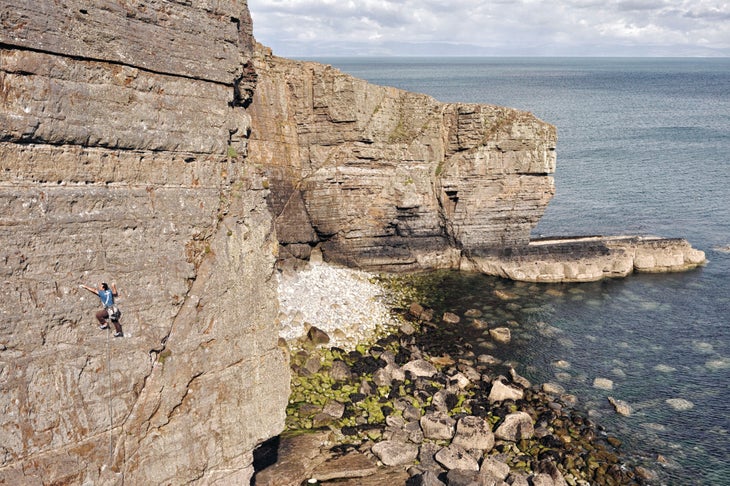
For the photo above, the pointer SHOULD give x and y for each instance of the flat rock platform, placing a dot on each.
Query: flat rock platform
(588, 258)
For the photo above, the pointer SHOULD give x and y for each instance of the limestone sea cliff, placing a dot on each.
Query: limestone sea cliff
(123, 131)
(384, 179)
(153, 144)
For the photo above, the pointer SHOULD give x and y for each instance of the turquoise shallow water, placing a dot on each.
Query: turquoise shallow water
(644, 147)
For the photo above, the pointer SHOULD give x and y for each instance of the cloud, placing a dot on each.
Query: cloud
(311, 28)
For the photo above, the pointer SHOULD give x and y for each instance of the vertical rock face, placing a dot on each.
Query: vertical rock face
(122, 136)
(387, 179)
(128, 154)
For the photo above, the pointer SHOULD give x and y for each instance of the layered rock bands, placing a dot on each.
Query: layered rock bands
(381, 178)
(154, 145)
(122, 133)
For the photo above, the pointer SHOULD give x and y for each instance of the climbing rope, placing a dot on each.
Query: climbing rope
(109, 375)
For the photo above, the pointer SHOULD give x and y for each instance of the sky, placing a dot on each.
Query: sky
(322, 28)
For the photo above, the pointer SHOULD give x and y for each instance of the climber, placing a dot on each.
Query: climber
(110, 310)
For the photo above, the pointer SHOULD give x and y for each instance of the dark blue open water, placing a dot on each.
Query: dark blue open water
(644, 147)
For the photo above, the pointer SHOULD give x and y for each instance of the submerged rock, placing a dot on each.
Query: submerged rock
(603, 384)
(451, 318)
(680, 404)
(620, 406)
(501, 335)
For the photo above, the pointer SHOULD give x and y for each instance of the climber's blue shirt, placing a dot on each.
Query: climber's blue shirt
(107, 298)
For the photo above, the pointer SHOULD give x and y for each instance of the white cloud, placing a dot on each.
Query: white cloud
(310, 28)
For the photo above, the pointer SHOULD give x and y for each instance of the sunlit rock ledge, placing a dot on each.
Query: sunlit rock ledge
(588, 258)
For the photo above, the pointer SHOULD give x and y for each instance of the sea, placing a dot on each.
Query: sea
(644, 148)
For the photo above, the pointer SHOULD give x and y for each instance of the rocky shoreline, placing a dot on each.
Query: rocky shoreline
(419, 407)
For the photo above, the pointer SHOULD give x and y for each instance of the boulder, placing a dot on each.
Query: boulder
(463, 477)
(382, 377)
(426, 478)
(519, 479)
(547, 467)
(351, 465)
(437, 425)
(456, 457)
(427, 457)
(317, 336)
(407, 328)
(313, 364)
(474, 433)
(501, 392)
(488, 359)
(334, 409)
(340, 371)
(552, 388)
(516, 426)
(501, 334)
(420, 368)
(443, 400)
(492, 467)
(542, 479)
(396, 372)
(450, 318)
(393, 453)
(520, 380)
(461, 381)
(416, 310)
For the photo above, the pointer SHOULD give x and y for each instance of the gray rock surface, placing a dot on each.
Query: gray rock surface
(456, 457)
(395, 453)
(501, 392)
(474, 433)
(438, 425)
(495, 468)
(427, 478)
(122, 132)
(587, 259)
(420, 368)
(516, 426)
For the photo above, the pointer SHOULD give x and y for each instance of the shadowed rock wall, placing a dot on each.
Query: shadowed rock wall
(122, 143)
(385, 179)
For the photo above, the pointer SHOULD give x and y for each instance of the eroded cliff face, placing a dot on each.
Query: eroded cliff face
(381, 178)
(128, 153)
(122, 152)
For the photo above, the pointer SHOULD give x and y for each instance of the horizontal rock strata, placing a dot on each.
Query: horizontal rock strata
(586, 259)
(123, 128)
(384, 179)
